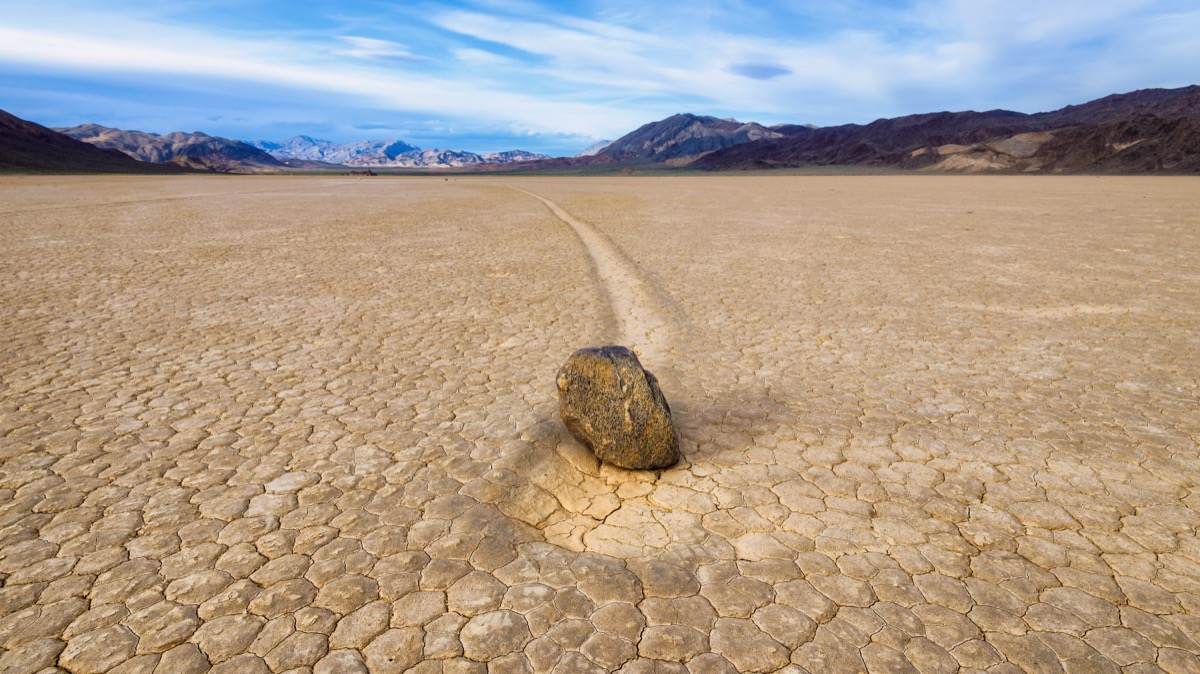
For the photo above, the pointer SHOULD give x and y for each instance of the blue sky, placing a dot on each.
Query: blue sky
(554, 77)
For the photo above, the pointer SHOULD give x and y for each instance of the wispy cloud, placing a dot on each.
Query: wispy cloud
(373, 49)
(287, 65)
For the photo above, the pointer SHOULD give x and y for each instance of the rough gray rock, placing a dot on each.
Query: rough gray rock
(614, 406)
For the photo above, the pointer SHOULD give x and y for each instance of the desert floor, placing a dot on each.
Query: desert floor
(309, 423)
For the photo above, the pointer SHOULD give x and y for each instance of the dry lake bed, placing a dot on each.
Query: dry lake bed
(309, 424)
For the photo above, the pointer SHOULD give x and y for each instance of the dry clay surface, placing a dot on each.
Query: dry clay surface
(931, 424)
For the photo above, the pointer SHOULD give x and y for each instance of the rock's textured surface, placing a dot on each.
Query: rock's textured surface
(296, 424)
(615, 407)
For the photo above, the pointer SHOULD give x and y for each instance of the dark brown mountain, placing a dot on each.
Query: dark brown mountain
(1146, 144)
(1182, 102)
(999, 140)
(25, 146)
(683, 136)
(792, 129)
(195, 150)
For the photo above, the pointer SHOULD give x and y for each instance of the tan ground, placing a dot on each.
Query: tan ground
(268, 423)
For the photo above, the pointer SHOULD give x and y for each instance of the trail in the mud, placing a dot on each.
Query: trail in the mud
(640, 312)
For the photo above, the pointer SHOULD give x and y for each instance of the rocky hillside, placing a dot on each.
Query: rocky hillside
(1153, 130)
(25, 146)
(194, 150)
(685, 136)
(1147, 144)
(1181, 102)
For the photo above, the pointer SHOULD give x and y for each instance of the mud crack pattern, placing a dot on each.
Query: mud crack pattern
(308, 425)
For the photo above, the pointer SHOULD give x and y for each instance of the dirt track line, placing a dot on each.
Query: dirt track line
(641, 316)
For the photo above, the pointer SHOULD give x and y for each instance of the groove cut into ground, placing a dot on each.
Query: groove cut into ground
(637, 306)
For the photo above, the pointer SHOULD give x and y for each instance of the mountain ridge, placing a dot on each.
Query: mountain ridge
(317, 149)
(28, 146)
(384, 153)
(1142, 131)
(195, 150)
(929, 141)
(684, 135)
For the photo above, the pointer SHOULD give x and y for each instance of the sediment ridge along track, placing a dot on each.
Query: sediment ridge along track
(639, 308)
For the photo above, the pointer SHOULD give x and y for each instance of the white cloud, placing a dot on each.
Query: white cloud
(481, 58)
(285, 65)
(725, 71)
(372, 49)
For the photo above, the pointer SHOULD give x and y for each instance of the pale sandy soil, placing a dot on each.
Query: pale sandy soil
(291, 424)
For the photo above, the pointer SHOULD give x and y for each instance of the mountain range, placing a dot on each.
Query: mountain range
(315, 149)
(383, 153)
(685, 136)
(201, 151)
(25, 146)
(1145, 131)
(192, 150)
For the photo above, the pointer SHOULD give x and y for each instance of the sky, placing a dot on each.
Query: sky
(555, 77)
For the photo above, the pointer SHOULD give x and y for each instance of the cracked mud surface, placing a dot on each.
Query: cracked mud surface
(271, 424)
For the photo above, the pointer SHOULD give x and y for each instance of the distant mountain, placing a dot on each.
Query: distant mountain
(383, 153)
(684, 136)
(25, 146)
(194, 150)
(421, 159)
(593, 150)
(1151, 130)
(512, 157)
(1145, 131)
(1181, 102)
(1143, 144)
(372, 152)
(793, 129)
(546, 164)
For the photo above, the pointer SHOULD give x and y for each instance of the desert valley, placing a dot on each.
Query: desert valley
(340, 338)
(929, 423)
